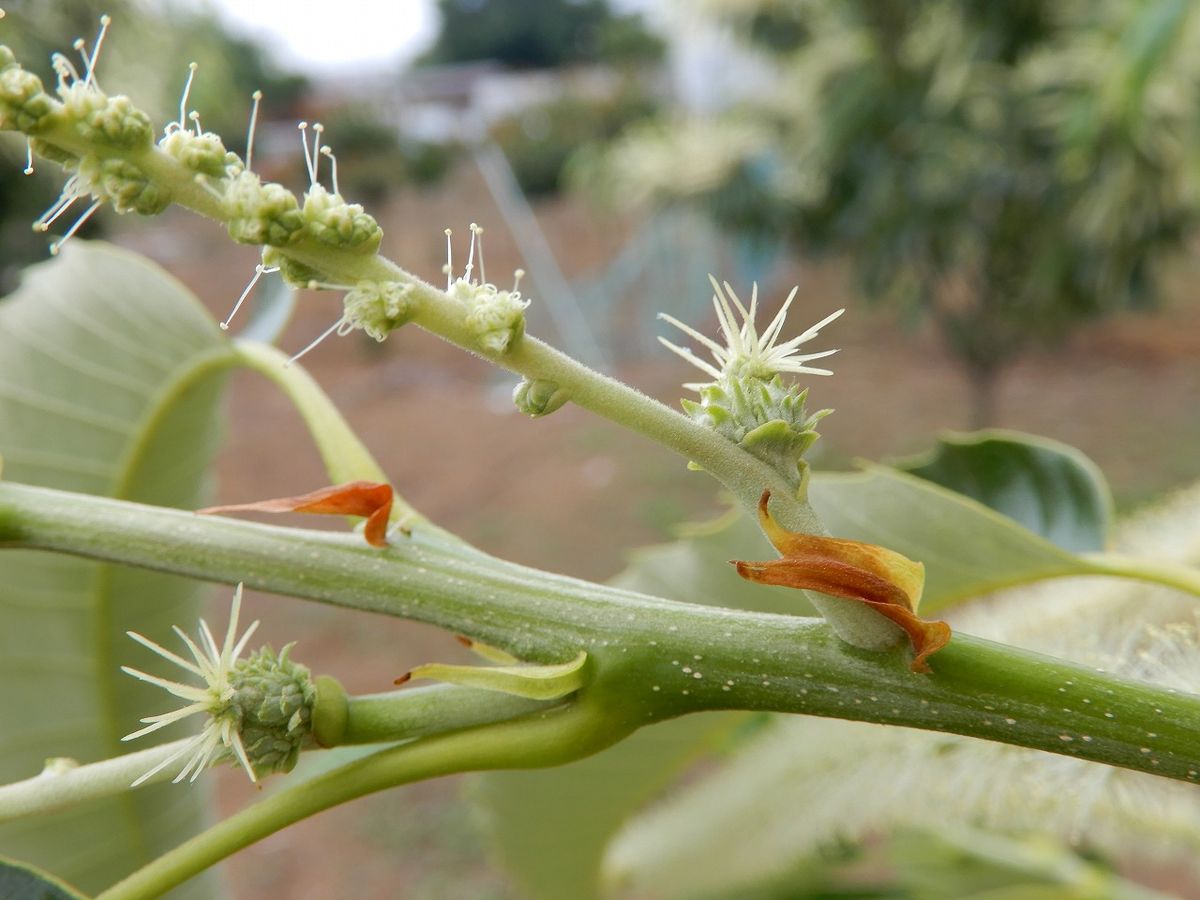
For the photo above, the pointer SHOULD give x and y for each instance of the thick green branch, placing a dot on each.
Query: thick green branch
(661, 657)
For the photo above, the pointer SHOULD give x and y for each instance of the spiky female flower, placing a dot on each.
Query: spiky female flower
(747, 401)
(215, 666)
(747, 353)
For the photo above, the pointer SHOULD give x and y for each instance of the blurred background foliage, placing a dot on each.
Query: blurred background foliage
(541, 141)
(1005, 170)
(541, 34)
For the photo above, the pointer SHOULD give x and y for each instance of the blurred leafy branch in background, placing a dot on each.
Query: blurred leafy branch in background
(540, 34)
(1005, 170)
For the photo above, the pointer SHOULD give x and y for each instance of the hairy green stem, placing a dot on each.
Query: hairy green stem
(437, 709)
(61, 787)
(369, 719)
(664, 658)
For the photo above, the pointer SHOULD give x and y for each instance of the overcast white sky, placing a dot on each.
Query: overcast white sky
(317, 36)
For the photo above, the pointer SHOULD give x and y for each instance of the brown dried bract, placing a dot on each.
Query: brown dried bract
(354, 498)
(888, 582)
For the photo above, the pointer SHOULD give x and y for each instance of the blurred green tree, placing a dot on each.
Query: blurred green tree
(540, 34)
(1007, 170)
(541, 141)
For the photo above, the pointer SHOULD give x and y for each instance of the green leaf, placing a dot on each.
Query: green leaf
(1050, 488)
(21, 882)
(110, 375)
(551, 827)
(968, 549)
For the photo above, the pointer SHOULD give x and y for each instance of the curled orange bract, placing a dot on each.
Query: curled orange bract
(884, 580)
(370, 499)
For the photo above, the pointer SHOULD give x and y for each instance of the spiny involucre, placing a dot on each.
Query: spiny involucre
(747, 401)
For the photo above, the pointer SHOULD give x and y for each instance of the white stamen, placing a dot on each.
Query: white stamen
(314, 285)
(258, 272)
(80, 47)
(195, 117)
(517, 276)
(28, 170)
(59, 206)
(87, 214)
(257, 96)
(90, 62)
(308, 163)
(449, 267)
(471, 254)
(65, 70)
(315, 173)
(187, 89)
(482, 270)
(326, 333)
(326, 150)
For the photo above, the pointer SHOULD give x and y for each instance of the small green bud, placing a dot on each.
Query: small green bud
(121, 124)
(204, 153)
(331, 220)
(262, 213)
(100, 119)
(539, 397)
(295, 274)
(56, 154)
(24, 103)
(378, 307)
(124, 185)
(273, 698)
(496, 317)
(7, 57)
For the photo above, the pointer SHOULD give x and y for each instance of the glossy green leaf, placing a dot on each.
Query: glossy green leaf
(550, 828)
(1050, 488)
(21, 882)
(968, 549)
(109, 384)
